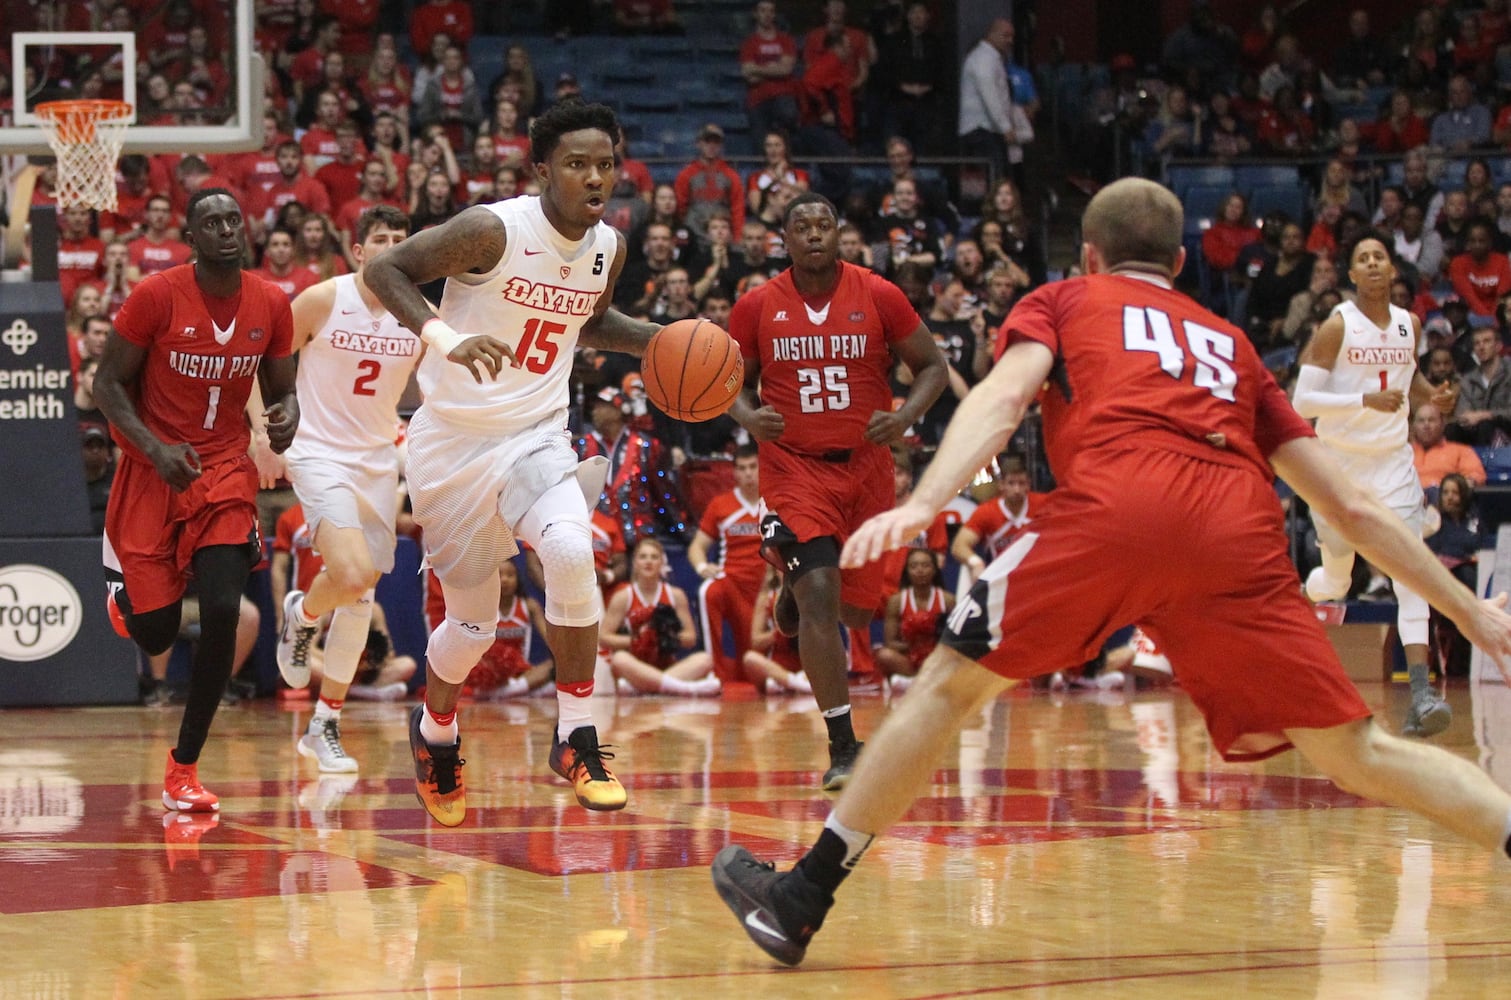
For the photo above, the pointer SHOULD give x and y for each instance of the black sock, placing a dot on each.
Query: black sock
(840, 729)
(824, 865)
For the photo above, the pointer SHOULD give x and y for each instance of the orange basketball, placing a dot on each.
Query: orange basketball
(692, 370)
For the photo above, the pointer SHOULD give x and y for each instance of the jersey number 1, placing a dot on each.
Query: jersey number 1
(1151, 330)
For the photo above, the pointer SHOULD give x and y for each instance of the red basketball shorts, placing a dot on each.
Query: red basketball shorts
(814, 498)
(155, 531)
(1192, 551)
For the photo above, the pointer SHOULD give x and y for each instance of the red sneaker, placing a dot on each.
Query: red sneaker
(117, 620)
(182, 790)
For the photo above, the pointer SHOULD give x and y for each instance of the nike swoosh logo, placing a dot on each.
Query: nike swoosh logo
(753, 919)
(532, 253)
(347, 312)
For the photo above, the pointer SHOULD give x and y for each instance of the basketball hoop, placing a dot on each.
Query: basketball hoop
(86, 137)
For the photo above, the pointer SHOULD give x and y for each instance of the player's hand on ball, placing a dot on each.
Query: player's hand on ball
(483, 351)
(885, 427)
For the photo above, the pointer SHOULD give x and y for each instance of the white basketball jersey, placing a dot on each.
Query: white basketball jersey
(536, 300)
(1371, 359)
(351, 375)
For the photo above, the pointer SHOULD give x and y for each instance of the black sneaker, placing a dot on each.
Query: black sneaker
(780, 912)
(437, 775)
(841, 762)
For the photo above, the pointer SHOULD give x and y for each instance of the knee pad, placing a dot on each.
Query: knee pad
(1411, 616)
(566, 557)
(455, 647)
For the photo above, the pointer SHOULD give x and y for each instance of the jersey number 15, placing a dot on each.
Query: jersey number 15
(1151, 330)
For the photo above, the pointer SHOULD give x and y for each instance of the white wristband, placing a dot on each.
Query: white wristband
(438, 334)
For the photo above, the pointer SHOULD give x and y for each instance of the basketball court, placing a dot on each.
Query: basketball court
(1079, 845)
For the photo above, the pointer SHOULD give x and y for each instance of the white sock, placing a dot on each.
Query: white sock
(855, 841)
(323, 711)
(437, 734)
(571, 713)
(834, 713)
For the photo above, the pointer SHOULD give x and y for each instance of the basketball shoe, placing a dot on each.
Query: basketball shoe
(181, 835)
(780, 912)
(437, 775)
(182, 790)
(1427, 716)
(841, 763)
(294, 644)
(579, 759)
(322, 741)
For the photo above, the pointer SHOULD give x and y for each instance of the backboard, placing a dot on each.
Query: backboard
(57, 65)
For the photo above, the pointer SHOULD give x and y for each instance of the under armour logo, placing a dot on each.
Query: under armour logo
(794, 563)
(19, 337)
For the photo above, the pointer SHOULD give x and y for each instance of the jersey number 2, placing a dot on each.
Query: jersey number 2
(1151, 330)
(370, 370)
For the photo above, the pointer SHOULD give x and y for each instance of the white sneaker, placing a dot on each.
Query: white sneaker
(397, 691)
(294, 645)
(624, 687)
(799, 683)
(322, 741)
(1148, 662)
(772, 687)
(1111, 680)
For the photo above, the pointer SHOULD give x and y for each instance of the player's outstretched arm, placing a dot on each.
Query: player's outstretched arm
(473, 241)
(1384, 539)
(608, 329)
(979, 430)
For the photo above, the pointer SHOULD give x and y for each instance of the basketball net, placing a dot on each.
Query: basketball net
(86, 138)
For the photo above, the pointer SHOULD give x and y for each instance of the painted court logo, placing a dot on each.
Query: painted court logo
(40, 612)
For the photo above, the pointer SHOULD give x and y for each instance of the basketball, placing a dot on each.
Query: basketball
(692, 370)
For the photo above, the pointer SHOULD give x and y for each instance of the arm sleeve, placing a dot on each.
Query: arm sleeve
(1313, 399)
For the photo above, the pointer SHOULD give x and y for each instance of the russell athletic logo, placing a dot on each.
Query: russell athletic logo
(40, 612)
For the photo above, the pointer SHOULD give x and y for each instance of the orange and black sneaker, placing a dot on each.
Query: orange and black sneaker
(437, 775)
(580, 759)
(182, 790)
(181, 834)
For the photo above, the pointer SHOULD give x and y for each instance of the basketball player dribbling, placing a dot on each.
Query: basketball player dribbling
(1146, 388)
(490, 458)
(819, 341)
(1357, 375)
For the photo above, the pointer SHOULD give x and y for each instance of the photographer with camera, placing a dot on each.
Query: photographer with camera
(647, 625)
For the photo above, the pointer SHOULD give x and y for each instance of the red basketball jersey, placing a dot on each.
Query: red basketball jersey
(198, 375)
(1138, 363)
(996, 526)
(824, 366)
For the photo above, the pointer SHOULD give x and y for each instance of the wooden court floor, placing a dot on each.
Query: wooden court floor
(1086, 845)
